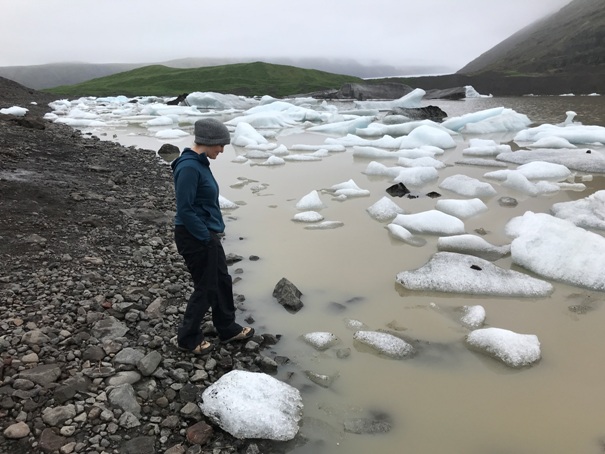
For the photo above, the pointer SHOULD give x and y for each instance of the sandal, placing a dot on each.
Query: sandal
(203, 348)
(246, 333)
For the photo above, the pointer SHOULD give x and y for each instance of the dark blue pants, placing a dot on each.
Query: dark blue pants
(213, 288)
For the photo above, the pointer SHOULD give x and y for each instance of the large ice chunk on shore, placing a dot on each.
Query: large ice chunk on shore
(253, 405)
(384, 343)
(513, 349)
(472, 245)
(431, 222)
(588, 212)
(557, 249)
(459, 273)
(467, 186)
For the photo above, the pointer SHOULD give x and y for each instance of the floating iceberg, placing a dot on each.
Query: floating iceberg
(588, 213)
(385, 344)
(472, 245)
(513, 349)
(583, 160)
(467, 186)
(310, 202)
(431, 222)
(458, 273)
(557, 249)
(461, 209)
(401, 233)
(474, 316)
(384, 210)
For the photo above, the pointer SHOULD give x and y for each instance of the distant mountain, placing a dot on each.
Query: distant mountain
(569, 41)
(59, 74)
(245, 79)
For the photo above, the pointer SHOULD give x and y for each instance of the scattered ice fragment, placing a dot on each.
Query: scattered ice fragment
(384, 210)
(474, 316)
(320, 340)
(385, 343)
(349, 189)
(310, 202)
(325, 225)
(14, 110)
(588, 212)
(513, 349)
(467, 186)
(354, 325)
(579, 159)
(459, 273)
(472, 245)
(308, 216)
(462, 209)
(226, 204)
(431, 222)
(403, 234)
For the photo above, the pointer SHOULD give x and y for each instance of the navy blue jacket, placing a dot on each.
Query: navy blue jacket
(197, 193)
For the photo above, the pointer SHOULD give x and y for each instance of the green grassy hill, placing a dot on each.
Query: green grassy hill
(247, 79)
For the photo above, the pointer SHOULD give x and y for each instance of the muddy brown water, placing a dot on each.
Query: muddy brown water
(446, 398)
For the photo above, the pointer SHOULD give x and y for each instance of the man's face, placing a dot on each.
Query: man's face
(212, 151)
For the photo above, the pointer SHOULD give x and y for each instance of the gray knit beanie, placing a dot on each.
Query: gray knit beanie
(209, 131)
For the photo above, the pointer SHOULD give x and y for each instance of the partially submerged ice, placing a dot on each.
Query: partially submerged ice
(513, 349)
(320, 340)
(557, 249)
(253, 405)
(588, 212)
(384, 343)
(473, 316)
(472, 245)
(459, 273)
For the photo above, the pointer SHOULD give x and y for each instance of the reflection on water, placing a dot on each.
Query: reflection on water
(446, 398)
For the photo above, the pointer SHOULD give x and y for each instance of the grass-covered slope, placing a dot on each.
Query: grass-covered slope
(248, 79)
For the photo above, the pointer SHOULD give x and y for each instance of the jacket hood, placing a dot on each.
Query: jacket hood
(186, 155)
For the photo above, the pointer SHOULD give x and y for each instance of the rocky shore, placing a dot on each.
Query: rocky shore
(92, 290)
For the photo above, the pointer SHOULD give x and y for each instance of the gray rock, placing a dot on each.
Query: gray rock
(123, 397)
(17, 430)
(43, 375)
(129, 421)
(124, 377)
(109, 328)
(149, 363)
(58, 415)
(139, 445)
(128, 356)
(288, 295)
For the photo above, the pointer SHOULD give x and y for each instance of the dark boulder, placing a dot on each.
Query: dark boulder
(178, 100)
(389, 90)
(433, 113)
(398, 190)
(455, 93)
(288, 295)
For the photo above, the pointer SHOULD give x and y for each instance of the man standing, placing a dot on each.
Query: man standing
(198, 227)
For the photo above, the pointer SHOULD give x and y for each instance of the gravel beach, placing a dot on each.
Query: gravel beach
(92, 289)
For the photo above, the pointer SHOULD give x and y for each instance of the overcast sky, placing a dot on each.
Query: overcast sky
(431, 33)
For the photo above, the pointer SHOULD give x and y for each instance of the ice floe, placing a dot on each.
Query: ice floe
(321, 340)
(467, 186)
(557, 249)
(385, 344)
(588, 212)
(461, 209)
(384, 209)
(432, 222)
(473, 316)
(459, 273)
(513, 349)
(472, 245)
